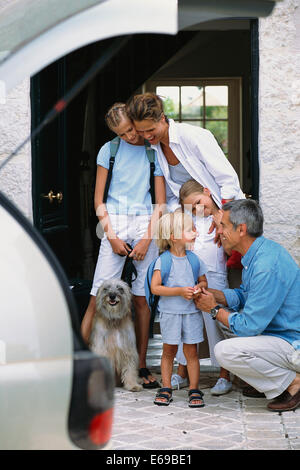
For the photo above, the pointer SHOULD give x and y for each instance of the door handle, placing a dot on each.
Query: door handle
(51, 196)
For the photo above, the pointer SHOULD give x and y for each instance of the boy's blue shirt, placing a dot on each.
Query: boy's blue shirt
(269, 294)
(195, 268)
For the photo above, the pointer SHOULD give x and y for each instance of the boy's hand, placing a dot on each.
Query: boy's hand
(202, 283)
(187, 292)
(197, 292)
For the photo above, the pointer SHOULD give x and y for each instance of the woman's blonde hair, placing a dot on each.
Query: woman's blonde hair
(189, 187)
(172, 223)
(115, 114)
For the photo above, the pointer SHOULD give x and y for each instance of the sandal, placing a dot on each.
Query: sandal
(195, 395)
(144, 373)
(167, 396)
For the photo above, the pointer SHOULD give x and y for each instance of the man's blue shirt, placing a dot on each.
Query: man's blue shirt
(269, 294)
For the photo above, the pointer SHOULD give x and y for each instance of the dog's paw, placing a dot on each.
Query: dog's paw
(134, 387)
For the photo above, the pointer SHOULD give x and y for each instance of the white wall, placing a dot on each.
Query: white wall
(279, 124)
(15, 119)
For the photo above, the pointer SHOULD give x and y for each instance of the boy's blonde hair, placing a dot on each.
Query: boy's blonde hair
(172, 223)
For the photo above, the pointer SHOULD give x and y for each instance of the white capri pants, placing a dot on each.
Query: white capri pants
(129, 228)
(214, 333)
(265, 362)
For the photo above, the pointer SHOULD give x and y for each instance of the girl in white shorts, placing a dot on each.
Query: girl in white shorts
(180, 320)
(126, 219)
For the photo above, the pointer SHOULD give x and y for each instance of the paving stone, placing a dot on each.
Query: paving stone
(266, 444)
(295, 444)
(264, 434)
(228, 422)
(293, 433)
(221, 444)
(256, 425)
(267, 417)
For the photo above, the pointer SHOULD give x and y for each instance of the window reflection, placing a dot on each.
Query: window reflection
(204, 106)
(191, 102)
(171, 99)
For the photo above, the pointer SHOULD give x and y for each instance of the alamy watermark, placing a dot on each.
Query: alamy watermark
(105, 226)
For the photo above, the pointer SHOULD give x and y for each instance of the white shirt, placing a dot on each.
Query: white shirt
(213, 256)
(199, 153)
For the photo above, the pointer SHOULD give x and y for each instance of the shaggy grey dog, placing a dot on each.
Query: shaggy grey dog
(113, 334)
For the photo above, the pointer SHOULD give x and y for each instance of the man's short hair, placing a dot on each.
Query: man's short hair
(246, 211)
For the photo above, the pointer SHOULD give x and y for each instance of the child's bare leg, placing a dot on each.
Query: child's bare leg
(142, 323)
(182, 371)
(167, 360)
(224, 374)
(191, 354)
(87, 321)
(193, 368)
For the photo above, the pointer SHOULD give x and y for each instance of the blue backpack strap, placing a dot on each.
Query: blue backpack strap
(151, 157)
(195, 264)
(166, 263)
(165, 267)
(114, 147)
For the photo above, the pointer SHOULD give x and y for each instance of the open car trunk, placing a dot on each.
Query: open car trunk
(33, 34)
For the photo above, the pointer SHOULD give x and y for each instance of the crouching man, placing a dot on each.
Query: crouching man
(264, 311)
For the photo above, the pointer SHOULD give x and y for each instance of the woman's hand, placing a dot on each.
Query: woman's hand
(119, 247)
(139, 251)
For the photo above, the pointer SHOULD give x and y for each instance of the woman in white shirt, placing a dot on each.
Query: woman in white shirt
(185, 152)
(185, 148)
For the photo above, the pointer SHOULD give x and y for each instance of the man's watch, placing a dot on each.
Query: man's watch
(214, 311)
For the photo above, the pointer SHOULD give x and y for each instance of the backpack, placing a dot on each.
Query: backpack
(166, 263)
(114, 146)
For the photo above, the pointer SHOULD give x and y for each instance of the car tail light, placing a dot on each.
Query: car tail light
(91, 409)
(100, 427)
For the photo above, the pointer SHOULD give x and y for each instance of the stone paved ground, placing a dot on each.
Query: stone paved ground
(230, 422)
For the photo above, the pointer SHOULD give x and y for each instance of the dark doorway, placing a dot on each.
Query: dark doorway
(64, 154)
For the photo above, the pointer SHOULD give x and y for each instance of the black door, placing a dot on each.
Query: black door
(64, 153)
(49, 162)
